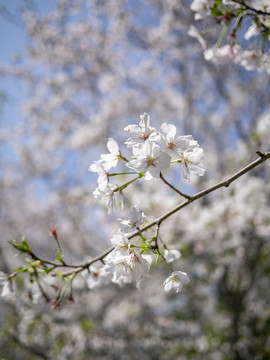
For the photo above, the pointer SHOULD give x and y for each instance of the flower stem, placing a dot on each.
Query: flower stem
(123, 173)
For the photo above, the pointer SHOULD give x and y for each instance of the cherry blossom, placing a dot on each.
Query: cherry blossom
(111, 196)
(175, 146)
(126, 268)
(102, 170)
(111, 159)
(149, 159)
(140, 133)
(175, 281)
(121, 242)
(171, 255)
(191, 163)
(202, 8)
(221, 55)
(96, 277)
(136, 219)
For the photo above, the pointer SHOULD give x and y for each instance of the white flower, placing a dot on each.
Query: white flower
(110, 195)
(175, 281)
(175, 146)
(96, 277)
(120, 241)
(171, 255)
(114, 156)
(138, 265)
(150, 160)
(140, 133)
(221, 55)
(6, 286)
(202, 8)
(126, 267)
(102, 170)
(149, 257)
(131, 223)
(191, 163)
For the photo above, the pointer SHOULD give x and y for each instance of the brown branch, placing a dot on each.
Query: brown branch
(225, 183)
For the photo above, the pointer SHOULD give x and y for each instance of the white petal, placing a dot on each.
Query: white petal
(183, 276)
(171, 255)
(145, 122)
(169, 130)
(113, 147)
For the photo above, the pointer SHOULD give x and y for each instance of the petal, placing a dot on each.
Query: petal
(186, 172)
(177, 286)
(133, 129)
(145, 122)
(155, 150)
(137, 165)
(153, 171)
(169, 130)
(168, 284)
(196, 156)
(113, 146)
(183, 277)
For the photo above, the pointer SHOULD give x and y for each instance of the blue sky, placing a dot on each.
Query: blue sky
(13, 41)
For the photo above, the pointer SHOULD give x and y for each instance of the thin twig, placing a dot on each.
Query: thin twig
(173, 188)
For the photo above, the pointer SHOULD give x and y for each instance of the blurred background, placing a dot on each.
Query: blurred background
(72, 74)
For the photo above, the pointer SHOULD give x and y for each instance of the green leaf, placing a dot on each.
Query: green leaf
(216, 12)
(59, 257)
(60, 275)
(48, 271)
(22, 247)
(21, 269)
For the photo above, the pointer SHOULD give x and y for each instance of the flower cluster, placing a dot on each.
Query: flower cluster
(131, 258)
(230, 15)
(153, 151)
